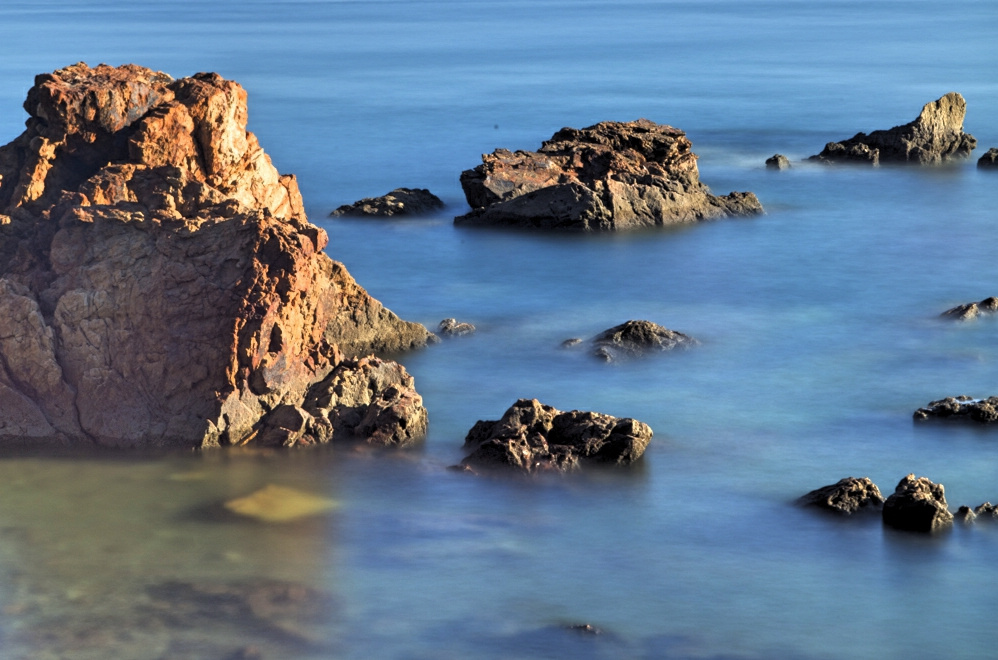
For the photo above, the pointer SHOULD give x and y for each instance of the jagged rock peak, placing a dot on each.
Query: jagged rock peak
(160, 280)
(935, 136)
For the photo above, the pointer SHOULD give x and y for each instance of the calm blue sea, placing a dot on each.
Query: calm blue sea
(818, 323)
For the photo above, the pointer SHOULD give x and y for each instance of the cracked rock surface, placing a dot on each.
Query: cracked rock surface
(160, 282)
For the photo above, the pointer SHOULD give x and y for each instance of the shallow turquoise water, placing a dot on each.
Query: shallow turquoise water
(817, 321)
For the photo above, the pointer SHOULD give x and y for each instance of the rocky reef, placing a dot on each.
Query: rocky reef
(532, 437)
(160, 281)
(399, 202)
(610, 176)
(964, 408)
(935, 136)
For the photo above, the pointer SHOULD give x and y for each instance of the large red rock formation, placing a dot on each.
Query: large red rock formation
(159, 281)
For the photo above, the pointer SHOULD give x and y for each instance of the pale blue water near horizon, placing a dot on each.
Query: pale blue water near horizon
(818, 323)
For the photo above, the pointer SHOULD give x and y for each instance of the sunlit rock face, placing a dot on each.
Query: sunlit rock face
(160, 282)
(935, 136)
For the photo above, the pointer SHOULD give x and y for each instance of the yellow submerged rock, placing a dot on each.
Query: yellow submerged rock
(280, 504)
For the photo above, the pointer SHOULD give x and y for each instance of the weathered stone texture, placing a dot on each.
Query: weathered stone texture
(532, 437)
(610, 176)
(935, 136)
(160, 282)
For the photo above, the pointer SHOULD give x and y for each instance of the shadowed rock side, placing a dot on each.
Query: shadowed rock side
(847, 496)
(963, 408)
(917, 505)
(532, 437)
(989, 160)
(611, 176)
(972, 310)
(160, 282)
(399, 202)
(935, 136)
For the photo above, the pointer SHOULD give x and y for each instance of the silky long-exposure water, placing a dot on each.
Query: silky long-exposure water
(818, 321)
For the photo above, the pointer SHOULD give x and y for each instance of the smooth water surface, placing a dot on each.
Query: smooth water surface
(818, 324)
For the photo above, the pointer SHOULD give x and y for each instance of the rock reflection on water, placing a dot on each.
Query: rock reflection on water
(115, 559)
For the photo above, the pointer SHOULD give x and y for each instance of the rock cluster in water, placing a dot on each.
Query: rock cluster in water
(936, 135)
(532, 437)
(610, 176)
(917, 505)
(962, 407)
(160, 282)
(399, 202)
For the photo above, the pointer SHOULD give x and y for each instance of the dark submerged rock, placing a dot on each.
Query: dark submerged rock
(847, 496)
(972, 310)
(532, 437)
(610, 176)
(989, 159)
(778, 162)
(638, 338)
(917, 505)
(934, 137)
(399, 202)
(962, 407)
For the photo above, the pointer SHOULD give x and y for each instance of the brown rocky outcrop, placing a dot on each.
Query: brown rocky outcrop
(399, 202)
(611, 176)
(962, 408)
(972, 310)
(936, 135)
(160, 282)
(846, 496)
(532, 437)
(917, 505)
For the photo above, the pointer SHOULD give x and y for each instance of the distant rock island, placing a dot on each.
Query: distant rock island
(160, 282)
(935, 136)
(607, 177)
